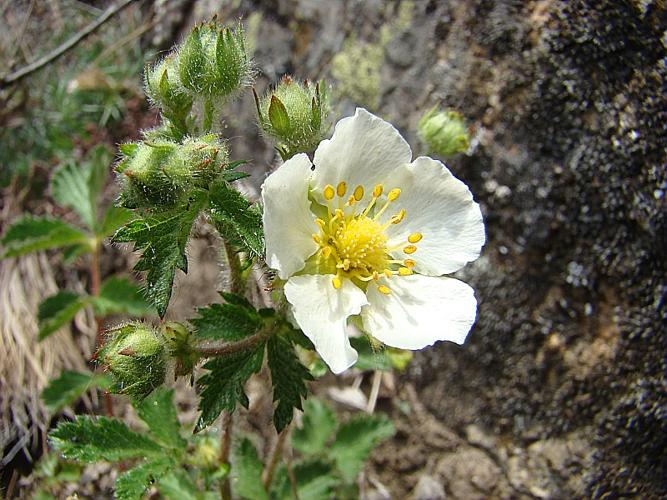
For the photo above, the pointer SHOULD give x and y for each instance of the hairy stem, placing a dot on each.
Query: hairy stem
(236, 284)
(276, 453)
(225, 447)
(209, 111)
(225, 348)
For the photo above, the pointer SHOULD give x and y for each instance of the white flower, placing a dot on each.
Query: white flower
(366, 232)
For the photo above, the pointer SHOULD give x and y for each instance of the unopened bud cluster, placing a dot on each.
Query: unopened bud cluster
(294, 115)
(179, 342)
(444, 132)
(164, 172)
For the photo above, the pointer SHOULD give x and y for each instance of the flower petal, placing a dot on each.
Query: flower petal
(322, 311)
(419, 311)
(439, 207)
(289, 224)
(364, 150)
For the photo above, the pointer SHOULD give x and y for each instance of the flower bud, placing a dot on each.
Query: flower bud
(136, 358)
(212, 61)
(206, 157)
(444, 132)
(179, 341)
(164, 89)
(294, 115)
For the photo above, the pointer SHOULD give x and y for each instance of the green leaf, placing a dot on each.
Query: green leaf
(247, 471)
(31, 234)
(236, 219)
(278, 116)
(370, 358)
(234, 176)
(317, 427)
(315, 480)
(230, 321)
(223, 386)
(158, 411)
(162, 239)
(118, 295)
(132, 484)
(58, 310)
(355, 440)
(90, 440)
(114, 218)
(177, 485)
(69, 387)
(287, 376)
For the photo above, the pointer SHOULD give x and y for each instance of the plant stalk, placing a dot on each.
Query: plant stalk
(276, 453)
(95, 285)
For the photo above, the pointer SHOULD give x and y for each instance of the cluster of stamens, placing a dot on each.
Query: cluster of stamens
(354, 241)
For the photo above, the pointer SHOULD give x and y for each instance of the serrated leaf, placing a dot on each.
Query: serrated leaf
(355, 440)
(158, 411)
(236, 219)
(315, 480)
(234, 176)
(128, 148)
(223, 385)
(58, 310)
(288, 378)
(370, 358)
(317, 427)
(247, 471)
(114, 218)
(31, 234)
(162, 239)
(132, 484)
(90, 440)
(278, 116)
(178, 485)
(235, 164)
(118, 295)
(228, 322)
(69, 387)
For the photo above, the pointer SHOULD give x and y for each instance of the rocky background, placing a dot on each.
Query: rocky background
(560, 391)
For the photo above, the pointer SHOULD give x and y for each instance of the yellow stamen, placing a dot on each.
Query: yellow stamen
(329, 192)
(358, 193)
(351, 200)
(341, 189)
(320, 222)
(404, 271)
(396, 219)
(384, 289)
(409, 263)
(415, 237)
(388, 273)
(336, 282)
(326, 252)
(393, 194)
(316, 239)
(410, 249)
(377, 191)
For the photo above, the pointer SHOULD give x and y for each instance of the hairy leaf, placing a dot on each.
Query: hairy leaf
(162, 239)
(354, 441)
(236, 219)
(69, 387)
(223, 386)
(177, 485)
(118, 295)
(231, 321)
(31, 234)
(318, 425)
(90, 440)
(114, 218)
(315, 480)
(77, 187)
(158, 411)
(58, 310)
(370, 358)
(287, 376)
(132, 484)
(247, 472)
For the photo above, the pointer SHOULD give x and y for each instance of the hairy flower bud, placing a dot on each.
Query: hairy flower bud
(136, 358)
(164, 89)
(179, 342)
(294, 115)
(212, 61)
(444, 132)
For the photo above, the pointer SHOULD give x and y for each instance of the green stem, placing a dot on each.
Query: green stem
(269, 471)
(236, 284)
(226, 348)
(209, 111)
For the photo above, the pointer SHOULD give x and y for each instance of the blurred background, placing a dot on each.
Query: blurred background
(560, 390)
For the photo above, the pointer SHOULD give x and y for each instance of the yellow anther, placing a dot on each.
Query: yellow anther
(326, 252)
(376, 275)
(388, 273)
(409, 263)
(358, 193)
(342, 188)
(393, 194)
(377, 190)
(396, 219)
(410, 249)
(415, 237)
(320, 222)
(346, 264)
(351, 200)
(329, 192)
(404, 271)
(336, 282)
(384, 289)
(339, 213)
(316, 239)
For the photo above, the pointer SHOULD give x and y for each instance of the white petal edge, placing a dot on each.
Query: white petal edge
(420, 311)
(441, 208)
(321, 312)
(363, 150)
(289, 224)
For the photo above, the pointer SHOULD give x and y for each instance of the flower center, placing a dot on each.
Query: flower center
(353, 243)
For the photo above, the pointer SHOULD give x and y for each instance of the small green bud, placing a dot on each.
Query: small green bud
(206, 157)
(206, 452)
(136, 358)
(164, 89)
(294, 115)
(212, 61)
(180, 343)
(444, 132)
